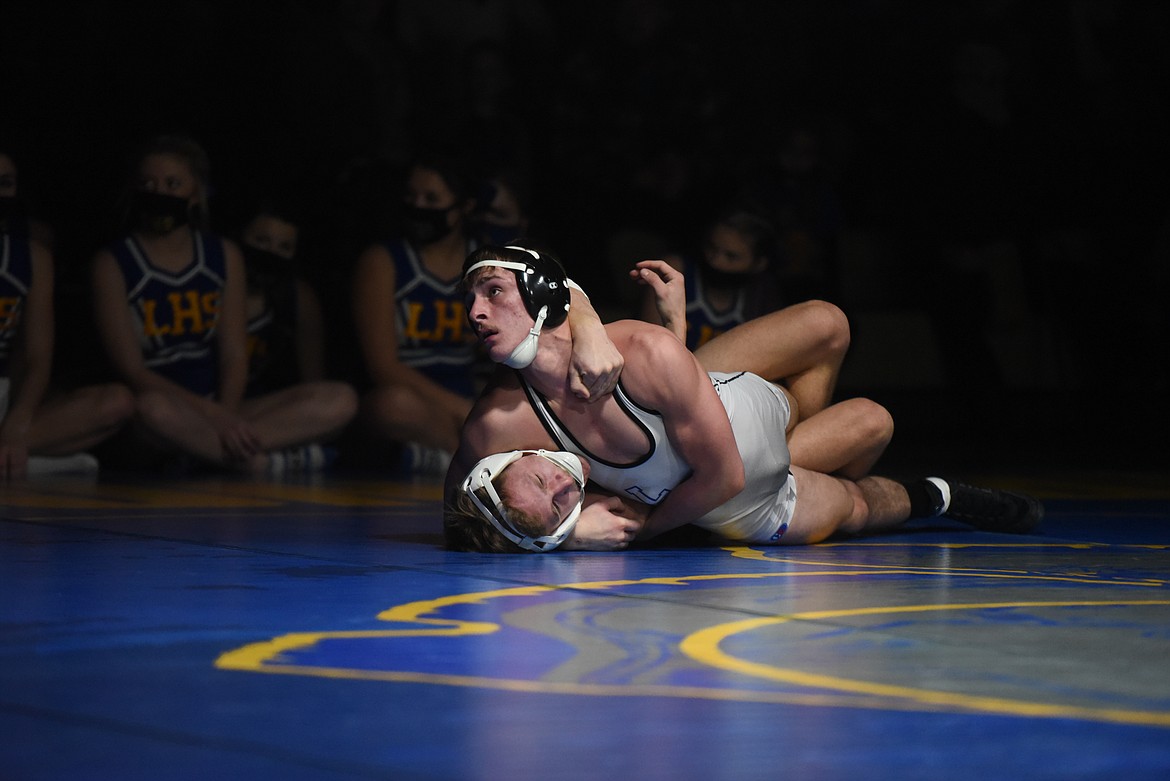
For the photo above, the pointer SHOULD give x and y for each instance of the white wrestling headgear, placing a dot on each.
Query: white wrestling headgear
(489, 468)
(540, 285)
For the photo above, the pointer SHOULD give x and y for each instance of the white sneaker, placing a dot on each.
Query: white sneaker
(76, 464)
(421, 460)
(306, 458)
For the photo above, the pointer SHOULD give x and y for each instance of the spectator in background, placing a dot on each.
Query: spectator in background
(16, 214)
(731, 282)
(503, 212)
(170, 304)
(42, 429)
(286, 339)
(418, 351)
(286, 329)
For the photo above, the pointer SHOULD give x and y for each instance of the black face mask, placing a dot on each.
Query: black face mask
(157, 213)
(424, 226)
(13, 216)
(723, 280)
(264, 269)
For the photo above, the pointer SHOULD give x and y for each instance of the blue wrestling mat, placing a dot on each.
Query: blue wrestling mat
(211, 628)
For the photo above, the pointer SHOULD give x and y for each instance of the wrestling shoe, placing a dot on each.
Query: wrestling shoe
(989, 509)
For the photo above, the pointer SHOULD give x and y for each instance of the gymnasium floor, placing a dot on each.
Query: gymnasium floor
(315, 629)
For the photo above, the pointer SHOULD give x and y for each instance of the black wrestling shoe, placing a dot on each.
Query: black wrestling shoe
(993, 510)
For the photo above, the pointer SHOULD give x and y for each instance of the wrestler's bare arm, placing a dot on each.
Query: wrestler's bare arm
(670, 294)
(695, 421)
(596, 363)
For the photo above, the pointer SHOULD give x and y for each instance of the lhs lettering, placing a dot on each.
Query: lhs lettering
(449, 318)
(183, 312)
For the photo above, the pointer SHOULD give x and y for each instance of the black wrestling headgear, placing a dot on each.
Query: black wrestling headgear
(539, 276)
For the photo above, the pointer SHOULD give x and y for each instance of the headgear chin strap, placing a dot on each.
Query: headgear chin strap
(488, 469)
(525, 352)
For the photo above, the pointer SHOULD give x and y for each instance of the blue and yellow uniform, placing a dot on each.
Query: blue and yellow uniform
(433, 333)
(704, 321)
(15, 281)
(176, 314)
(272, 339)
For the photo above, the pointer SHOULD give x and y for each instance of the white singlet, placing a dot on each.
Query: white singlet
(759, 414)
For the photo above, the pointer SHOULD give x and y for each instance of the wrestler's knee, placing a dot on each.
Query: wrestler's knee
(825, 505)
(829, 323)
(872, 423)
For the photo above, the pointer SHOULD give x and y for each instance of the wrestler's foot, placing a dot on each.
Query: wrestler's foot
(989, 509)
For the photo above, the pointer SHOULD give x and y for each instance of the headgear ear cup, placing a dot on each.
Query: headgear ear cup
(544, 283)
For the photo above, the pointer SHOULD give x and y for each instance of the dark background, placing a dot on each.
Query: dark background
(996, 170)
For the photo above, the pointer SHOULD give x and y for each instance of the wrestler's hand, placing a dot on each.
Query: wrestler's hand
(634, 510)
(604, 525)
(670, 293)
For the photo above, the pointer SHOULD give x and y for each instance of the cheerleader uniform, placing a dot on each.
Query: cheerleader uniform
(175, 315)
(433, 333)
